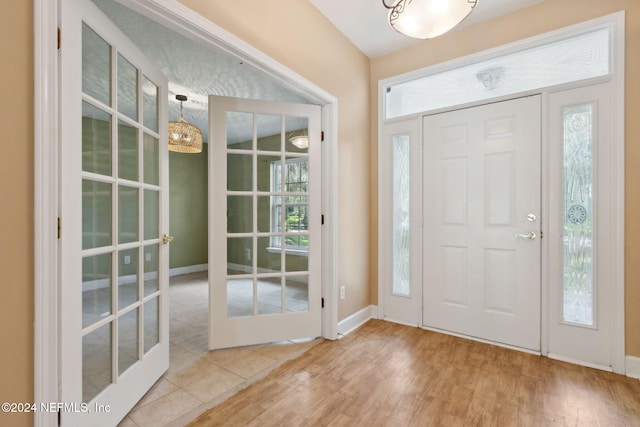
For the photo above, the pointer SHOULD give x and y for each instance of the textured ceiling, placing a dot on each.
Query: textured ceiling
(195, 70)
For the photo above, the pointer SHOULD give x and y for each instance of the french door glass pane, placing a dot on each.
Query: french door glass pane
(297, 261)
(296, 177)
(578, 285)
(269, 295)
(239, 172)
(151, 269)
(151, 214)
(297, 140)
(96, 214)
(269, 131)
(269, 173)
(269, 258)
(241, 138)
(127, 151)
(400, 285)
(127, 278)
(127, 88)
(150, 104)
(96, 361)
(264, 213)
(297, 293)
(239, 297)
(96, 140)
(239, 255)
(96, 66)
(96, 288)
(151, 322)
(127, 340)
(239, 214)
(151, 159)
(127, 214)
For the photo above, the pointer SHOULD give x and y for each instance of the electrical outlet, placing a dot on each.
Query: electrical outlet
(342, 291)
(127, 259)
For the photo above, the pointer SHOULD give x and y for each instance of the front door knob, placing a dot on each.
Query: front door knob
(530, 235)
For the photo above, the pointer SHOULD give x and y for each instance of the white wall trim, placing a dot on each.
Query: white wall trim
(177, 271)
(633, 367)
(575, 361)
(357, 319)
(46, 335)
(46, 108)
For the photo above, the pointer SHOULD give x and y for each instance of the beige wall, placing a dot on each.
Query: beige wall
(298, 36)
(16, 209)
(550, 15)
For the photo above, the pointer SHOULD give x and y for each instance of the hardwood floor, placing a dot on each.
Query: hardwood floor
(384, 374)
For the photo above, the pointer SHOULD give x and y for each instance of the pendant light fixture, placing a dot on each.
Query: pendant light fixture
(426, 19)
(184, 137)
(300, 141)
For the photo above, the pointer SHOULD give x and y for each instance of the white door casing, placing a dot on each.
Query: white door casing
(481, 204)
(114, 336)
(261, 288)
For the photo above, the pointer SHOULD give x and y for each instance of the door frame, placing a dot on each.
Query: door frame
(614, 22)
(178, 17)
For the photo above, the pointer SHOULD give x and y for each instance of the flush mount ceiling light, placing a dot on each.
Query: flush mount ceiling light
(184, 137)
(426, 19)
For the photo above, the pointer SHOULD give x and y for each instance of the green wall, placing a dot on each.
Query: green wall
(188, 219)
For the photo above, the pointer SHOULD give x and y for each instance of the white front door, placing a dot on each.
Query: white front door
(481, 206)
(114, 198)
(265, 219)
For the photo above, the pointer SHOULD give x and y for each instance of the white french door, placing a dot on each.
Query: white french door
(481, 236)
(265, 219)
(113, 210)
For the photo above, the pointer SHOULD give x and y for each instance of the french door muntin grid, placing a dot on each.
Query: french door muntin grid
(143, 302)
(256, 276)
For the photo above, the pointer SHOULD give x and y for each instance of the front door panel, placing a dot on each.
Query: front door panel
(482, 222)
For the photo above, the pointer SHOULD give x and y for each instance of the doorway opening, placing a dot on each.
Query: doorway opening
(47, 334)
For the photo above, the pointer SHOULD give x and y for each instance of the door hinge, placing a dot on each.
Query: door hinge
(321, 219)
(59, 41)
(541, 234)
(322, 302)
(59, 227)
(322, 136)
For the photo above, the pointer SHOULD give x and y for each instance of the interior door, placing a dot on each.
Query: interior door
(114, 199)
(265, 219)
(482, 222)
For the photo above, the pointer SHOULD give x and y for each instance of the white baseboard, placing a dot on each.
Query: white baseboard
(188, 269)
(580, 362)
(632, 366)
(356, 320)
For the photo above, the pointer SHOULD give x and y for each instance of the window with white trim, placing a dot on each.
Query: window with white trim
(289, 210)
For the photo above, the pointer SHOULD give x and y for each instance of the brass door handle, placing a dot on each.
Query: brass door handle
(166, 239)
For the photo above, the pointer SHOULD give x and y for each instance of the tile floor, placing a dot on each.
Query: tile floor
(198, 379)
